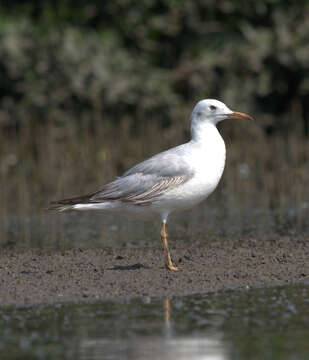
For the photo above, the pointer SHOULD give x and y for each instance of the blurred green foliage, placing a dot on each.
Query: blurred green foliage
(93, 61)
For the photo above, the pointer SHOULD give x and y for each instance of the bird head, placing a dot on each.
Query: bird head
(214, 111)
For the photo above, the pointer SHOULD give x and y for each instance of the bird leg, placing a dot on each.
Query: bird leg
(168, 260)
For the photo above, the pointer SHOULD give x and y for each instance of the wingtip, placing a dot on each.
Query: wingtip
(56, 206)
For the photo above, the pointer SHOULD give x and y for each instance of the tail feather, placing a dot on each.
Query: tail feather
(67, 204)
(57, 206)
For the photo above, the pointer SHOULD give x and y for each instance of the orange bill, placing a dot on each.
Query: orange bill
(239, 115)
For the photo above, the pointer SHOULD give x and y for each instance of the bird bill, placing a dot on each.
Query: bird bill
(239, 115)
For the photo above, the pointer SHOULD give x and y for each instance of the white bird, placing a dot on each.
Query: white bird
(172, 180)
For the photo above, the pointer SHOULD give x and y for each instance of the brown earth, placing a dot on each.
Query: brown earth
(46, 276)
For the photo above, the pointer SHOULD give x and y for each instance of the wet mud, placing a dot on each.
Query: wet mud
(37, 276)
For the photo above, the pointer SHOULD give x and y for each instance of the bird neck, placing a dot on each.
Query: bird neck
(204, 132)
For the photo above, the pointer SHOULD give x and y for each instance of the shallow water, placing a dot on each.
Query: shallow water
(271, 323)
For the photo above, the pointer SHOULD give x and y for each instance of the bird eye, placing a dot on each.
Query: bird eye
(213, 107)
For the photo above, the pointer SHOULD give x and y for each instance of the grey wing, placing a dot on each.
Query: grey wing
(138, 189)
(142, 184)
(148, 180)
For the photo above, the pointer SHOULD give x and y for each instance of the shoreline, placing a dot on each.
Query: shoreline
(44, 276)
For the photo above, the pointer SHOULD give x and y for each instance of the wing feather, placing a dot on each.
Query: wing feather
(142, 184)
(146, 189)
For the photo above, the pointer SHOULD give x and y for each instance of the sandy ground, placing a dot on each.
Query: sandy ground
(44, 276)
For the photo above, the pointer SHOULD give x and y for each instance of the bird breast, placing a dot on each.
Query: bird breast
(209, 163)
(206, 161)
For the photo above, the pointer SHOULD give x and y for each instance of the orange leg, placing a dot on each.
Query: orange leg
(168, 260)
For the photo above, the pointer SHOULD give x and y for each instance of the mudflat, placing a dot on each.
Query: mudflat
(42, 276)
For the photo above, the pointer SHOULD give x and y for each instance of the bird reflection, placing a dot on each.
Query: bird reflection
(167, 309)
(164, 341)
(167, 316)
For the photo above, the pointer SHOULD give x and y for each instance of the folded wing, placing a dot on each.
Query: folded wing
(141, 185)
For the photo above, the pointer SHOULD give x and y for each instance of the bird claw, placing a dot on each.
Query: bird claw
(172, 267)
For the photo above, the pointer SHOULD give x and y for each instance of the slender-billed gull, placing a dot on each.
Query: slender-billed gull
(172, 180)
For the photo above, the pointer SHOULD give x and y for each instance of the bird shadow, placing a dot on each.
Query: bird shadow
(128, 267)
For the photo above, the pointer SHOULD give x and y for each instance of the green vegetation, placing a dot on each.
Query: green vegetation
(87, 60)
